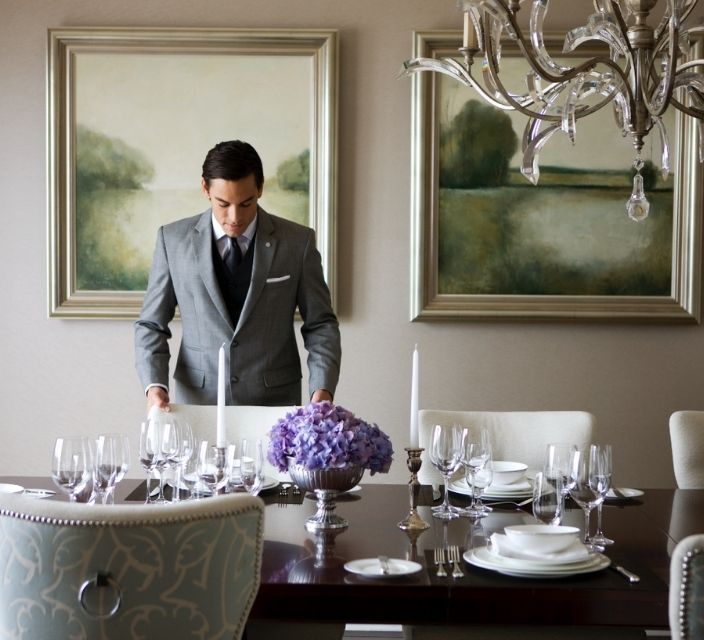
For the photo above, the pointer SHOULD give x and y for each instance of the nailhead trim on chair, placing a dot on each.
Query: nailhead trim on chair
(121, 523)
(684, 591)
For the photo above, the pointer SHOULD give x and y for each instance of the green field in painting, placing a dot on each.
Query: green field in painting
(553, 240)
(116, 229)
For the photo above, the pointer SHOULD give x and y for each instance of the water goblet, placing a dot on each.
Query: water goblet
(445, 449)
(588, 471)
(72, 466)
(548, 501)
(112, 460)
(599, 538)
(475, 455)
(558, 458)
(482, 480)
(185, 446)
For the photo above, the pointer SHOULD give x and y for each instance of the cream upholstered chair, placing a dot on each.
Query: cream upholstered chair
(97, 572)
(521, 436)
(244, 421)
(687, 440)
(687, 589)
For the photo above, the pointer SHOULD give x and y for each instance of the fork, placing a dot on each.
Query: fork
(439, 556)
(454, 557)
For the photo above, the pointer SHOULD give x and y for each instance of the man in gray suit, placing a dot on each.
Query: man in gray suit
(237, 274)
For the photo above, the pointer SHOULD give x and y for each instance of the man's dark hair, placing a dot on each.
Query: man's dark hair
(233, 160)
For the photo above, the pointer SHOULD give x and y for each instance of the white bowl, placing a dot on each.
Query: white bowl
(506, 472)
(541, 538)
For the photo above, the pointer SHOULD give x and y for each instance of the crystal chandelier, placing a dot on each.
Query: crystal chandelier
(642, 71)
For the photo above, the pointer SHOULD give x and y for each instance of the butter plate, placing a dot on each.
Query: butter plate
(10, 488)
(371, 567)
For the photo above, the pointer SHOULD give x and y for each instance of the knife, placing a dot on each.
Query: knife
(629, 575)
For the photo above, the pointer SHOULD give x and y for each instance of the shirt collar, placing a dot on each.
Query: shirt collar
(245, 237)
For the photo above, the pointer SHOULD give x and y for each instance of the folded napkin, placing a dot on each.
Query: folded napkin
(501, 546)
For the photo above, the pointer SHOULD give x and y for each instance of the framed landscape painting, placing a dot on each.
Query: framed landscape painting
(487, 244)
(132, 114)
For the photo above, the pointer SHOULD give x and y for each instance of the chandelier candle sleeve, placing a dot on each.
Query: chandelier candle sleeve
(414, 399)
(221, 439)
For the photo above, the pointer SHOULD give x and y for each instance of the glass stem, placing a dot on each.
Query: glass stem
(162, 482)
(473, 504)
(149, 482)
(587, 512)
(446, 497)
(598, 521)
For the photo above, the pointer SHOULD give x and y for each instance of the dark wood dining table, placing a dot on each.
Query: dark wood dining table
(303, 575)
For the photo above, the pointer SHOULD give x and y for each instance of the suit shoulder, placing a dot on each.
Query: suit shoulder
(182, 226)
(288, 227)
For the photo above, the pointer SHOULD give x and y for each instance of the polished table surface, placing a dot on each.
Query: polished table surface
(303, 577)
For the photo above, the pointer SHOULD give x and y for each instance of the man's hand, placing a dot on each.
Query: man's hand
(321, 394)
(158, 397)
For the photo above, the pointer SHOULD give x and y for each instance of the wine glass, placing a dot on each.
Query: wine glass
(475, 456)
(112, 460)
(251, 470)
(558, 458)
(590, 482)
(185, 446)
(599, 538)
(548, 501)
(212, 470)
(445, 449)
(482, 479)
(149, 450)
(72, 465)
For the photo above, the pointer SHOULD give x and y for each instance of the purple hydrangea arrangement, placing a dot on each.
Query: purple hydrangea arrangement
(323, 435)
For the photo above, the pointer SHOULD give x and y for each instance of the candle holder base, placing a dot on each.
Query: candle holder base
(413, 521)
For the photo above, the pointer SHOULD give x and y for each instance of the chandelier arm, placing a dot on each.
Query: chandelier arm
(689, 65)
(690, 111)
(653, 109)
(616, 10)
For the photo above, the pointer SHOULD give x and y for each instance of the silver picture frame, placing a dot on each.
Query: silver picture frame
(267, 54)
(428, 303)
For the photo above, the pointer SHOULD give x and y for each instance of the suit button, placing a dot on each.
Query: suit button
(235, 343)
(234, 379)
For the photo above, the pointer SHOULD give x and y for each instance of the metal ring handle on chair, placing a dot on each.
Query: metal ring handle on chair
(100, 580)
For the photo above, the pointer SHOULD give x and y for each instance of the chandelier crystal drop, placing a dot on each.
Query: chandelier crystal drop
(643, 70)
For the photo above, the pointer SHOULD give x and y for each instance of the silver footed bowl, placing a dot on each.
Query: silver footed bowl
(326, 484)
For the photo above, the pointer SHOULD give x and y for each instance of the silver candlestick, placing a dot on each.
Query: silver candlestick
(413, 521)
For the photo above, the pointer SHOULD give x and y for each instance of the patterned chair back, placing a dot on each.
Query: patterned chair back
(96, 572)
(687, 589)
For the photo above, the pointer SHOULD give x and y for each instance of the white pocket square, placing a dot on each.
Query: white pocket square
(279, 279)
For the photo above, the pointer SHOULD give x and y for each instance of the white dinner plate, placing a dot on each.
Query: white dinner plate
(269, 483)
(460, 486)
(10, 488)
(371, 567)
(626, 494)
(482, 557)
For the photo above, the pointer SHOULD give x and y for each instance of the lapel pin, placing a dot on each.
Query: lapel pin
(268, 244)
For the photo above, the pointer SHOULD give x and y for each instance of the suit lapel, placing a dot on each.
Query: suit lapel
(203, 249)
(264, 249)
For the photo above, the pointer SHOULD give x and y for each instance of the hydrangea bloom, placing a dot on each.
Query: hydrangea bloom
(323, 435)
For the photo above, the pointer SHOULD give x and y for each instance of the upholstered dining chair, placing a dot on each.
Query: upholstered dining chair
(98, 572)
(520, 436)
(687, 589)
(244, 421)
(687, 441)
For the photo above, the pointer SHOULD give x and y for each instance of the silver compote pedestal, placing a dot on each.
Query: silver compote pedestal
(326, 484)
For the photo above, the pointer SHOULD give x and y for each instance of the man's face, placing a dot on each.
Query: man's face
(234, 202)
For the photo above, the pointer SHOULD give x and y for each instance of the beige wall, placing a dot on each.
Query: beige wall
(61, 376)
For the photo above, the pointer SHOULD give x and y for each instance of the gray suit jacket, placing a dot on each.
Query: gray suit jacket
(261, 352)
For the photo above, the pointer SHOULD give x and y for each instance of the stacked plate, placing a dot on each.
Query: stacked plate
(505, 558)
(515, 491)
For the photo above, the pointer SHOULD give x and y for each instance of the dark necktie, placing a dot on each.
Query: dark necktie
(233, 257)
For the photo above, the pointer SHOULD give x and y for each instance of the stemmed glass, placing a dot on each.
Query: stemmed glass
(112, 460)
(445, 449)
(150, 450)
(475, 458)
(591, 482)
(185, 446)
(599, 538)
(210, 471)
(251, 470)
(548, 501)
(557, 467)
(72, 465)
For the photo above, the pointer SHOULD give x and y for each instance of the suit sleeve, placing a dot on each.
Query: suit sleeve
(320, 329)
(152, 331)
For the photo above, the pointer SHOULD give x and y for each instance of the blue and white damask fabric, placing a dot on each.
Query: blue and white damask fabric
(185, 579)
